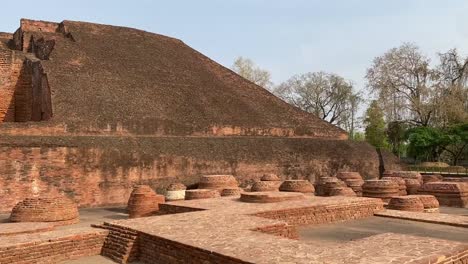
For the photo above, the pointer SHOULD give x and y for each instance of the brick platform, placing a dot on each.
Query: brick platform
(11, 229)
(438, 218)
(52, 246)
(224, 230)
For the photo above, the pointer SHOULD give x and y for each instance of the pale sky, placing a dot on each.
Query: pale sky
(285, 37)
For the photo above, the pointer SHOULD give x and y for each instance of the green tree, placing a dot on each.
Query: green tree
(428, 143)
(454, 141)
(375, 126)
(425, 143)
(396, 136)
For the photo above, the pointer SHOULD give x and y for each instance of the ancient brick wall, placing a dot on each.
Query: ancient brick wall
(24, 89)
(159, 250)
(11, 68)
(96, 171)
(323, 215)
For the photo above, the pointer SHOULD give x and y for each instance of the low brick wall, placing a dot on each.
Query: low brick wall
(159, 250)
(51, 247)
(323, 214)
(282, 230)
(121, 244)
(176, 209)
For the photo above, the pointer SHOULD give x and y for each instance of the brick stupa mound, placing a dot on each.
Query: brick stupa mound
(57, 209)
(412, 185)
(158, 84)
(353, 180)
(430, 203)
(447, 193)
(406, 203)
(326, 184)
(347, 175)
(201, 194)
(384, 190)
(342, 191)
(217, 182)
(175, 192)
(401, 184)
(270, 177)
(266, 186)
(143, 202)
(302, 186)
(270, 197)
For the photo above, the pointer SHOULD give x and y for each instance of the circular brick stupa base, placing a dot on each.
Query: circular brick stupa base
(175, 192)
(57, 209)
(412, 186)
(348, 175)
(217, 182)
(231, 192)
(270, 197)
(406, 175)
(201, 194)
(143, 202)
(342, 191)
(355, 185)
(301, 186)
(270, 177)
(430, 203)
(380, 189)
(401, 184)
(266, 186)
(406, 203)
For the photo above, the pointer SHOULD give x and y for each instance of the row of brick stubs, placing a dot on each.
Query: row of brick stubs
(54, 250)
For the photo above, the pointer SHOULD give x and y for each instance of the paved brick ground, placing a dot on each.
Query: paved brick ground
(226, 229)
(435, 218)
(9, 229)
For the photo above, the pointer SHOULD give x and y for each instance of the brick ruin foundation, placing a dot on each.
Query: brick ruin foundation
(72, 119)
(263, 232)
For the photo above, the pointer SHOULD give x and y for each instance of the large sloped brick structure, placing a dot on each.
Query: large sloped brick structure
(91, 110)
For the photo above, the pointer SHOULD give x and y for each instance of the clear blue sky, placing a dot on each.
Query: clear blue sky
(286, 37)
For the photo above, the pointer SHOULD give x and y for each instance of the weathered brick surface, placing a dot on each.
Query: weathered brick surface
(270, 197)
(302, 186)
(143, 201)
(54, 208)
(223, 230)
(52, 246)
(96, 171)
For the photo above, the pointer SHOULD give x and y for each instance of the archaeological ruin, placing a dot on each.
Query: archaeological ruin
(124, 146)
